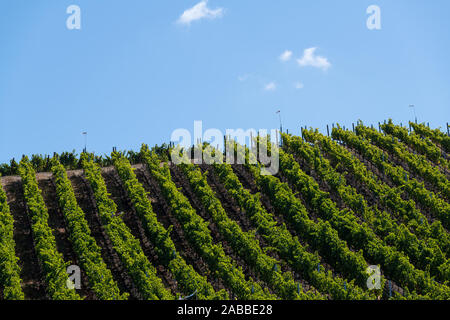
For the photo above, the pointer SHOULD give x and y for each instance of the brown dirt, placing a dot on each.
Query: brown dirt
(324, 187)
(352, 180)
(234, 212)
(181, 181)
(129, 216)
(33, 284)
(58, 225)
(86, 201)
(166, 218)
(249, 183)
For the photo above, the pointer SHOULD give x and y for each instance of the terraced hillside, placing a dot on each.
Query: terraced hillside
(144, 228)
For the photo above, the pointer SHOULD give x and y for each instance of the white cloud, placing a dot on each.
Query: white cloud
(298, 85)
(271, 86)
(310, 59)
(243, 77)
(286, 56)
(199, 11)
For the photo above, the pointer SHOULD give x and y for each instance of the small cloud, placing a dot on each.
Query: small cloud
(271, 86)
(310, 59)
(298, 85)
(199, 11)
(286, 56)
(243, 77)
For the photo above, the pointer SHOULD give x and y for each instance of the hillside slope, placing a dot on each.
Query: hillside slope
(338, 205)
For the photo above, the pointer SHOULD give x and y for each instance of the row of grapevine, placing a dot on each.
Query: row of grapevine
(436, 135)
(197, 232)
(244, 243)
(319, 234)
(51, 261)
(287, 245)
(89, 253)
(394, 263)
(189, 280)
(70, 161)
(417, 142)
(421, 195)
(125, 244)
(389, 197)
(417, 163)
(436, 205)
(9, 269)
(423, 254)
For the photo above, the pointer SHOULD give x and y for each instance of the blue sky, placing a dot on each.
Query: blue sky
(135, 72)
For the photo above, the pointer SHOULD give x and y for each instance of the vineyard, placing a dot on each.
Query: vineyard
(342, 206)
